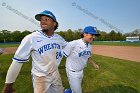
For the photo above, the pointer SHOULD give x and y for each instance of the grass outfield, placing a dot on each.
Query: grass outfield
(95, 43)
(114, 76)
(117, 43)
(8, 45)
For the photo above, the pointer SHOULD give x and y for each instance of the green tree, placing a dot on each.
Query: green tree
(24, 33)
(102, 36)
(112, 35)
(69, 35)
(5, 36)
(16, 36)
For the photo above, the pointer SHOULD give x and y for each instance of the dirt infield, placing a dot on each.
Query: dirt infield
(121, 52)
(10, 50)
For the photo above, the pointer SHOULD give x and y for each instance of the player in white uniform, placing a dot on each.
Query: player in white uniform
(44, 47)
(78, 52)
(1, 51)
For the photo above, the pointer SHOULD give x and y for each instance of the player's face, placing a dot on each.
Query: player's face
(47, 23)
(89, 38)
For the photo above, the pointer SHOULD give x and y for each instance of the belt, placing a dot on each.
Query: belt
(73, 70)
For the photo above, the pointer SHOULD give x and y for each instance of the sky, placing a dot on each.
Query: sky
(106, 15)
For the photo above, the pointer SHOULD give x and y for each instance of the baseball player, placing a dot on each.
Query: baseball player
(44, 47)
(78, 52)
(1, 51)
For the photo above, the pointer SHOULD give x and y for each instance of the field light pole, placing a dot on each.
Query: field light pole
(4, 40)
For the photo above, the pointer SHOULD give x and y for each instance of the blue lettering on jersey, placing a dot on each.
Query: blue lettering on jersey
(48, 47)
(84, 53)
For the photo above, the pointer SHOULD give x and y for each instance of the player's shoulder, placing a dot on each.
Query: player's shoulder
(34, 34)
(57, 35)
(74, 42)
(30, 36)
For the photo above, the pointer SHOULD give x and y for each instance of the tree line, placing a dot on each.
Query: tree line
(69, 35)
(15, 36)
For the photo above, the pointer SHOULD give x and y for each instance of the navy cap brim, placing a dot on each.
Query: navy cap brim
(96, 34)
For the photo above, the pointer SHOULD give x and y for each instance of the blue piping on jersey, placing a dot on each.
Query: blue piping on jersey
(45, 34)
(65, 54)
(21, 60)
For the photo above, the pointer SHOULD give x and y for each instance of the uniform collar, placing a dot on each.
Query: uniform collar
(84, 43)
(45, 34)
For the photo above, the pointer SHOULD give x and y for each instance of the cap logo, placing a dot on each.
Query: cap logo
(50, 15)
(95, 28)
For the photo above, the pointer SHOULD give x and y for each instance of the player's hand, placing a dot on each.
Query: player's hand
(96, 67)
(8, 88)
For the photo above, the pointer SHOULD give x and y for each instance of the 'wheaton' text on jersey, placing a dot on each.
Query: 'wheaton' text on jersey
(48, 47)
(84, 53)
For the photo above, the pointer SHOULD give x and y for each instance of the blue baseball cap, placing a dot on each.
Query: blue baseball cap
(45, 13)
(91, 30)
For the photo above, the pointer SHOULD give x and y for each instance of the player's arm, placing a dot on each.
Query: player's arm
(22, 55)
(96, 66)
(68, 48)
(64, 44)
(12, 74)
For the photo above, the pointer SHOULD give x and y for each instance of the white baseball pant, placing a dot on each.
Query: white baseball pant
(48, 84)
(75, 80)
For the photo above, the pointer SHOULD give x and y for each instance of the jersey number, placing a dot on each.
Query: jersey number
(58, 55)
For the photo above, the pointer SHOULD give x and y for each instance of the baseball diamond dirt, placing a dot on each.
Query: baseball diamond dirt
(9, 50)
(121, 52)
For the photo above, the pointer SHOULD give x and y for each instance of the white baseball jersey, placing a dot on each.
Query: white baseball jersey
(44, 50)
(77, 53)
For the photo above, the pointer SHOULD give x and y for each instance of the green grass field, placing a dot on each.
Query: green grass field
(114, 76)
(95, 43)
(8, 45)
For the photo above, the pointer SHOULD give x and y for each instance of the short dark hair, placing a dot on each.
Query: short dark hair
(82, 35)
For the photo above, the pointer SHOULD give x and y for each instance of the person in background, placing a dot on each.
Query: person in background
(78, 52)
